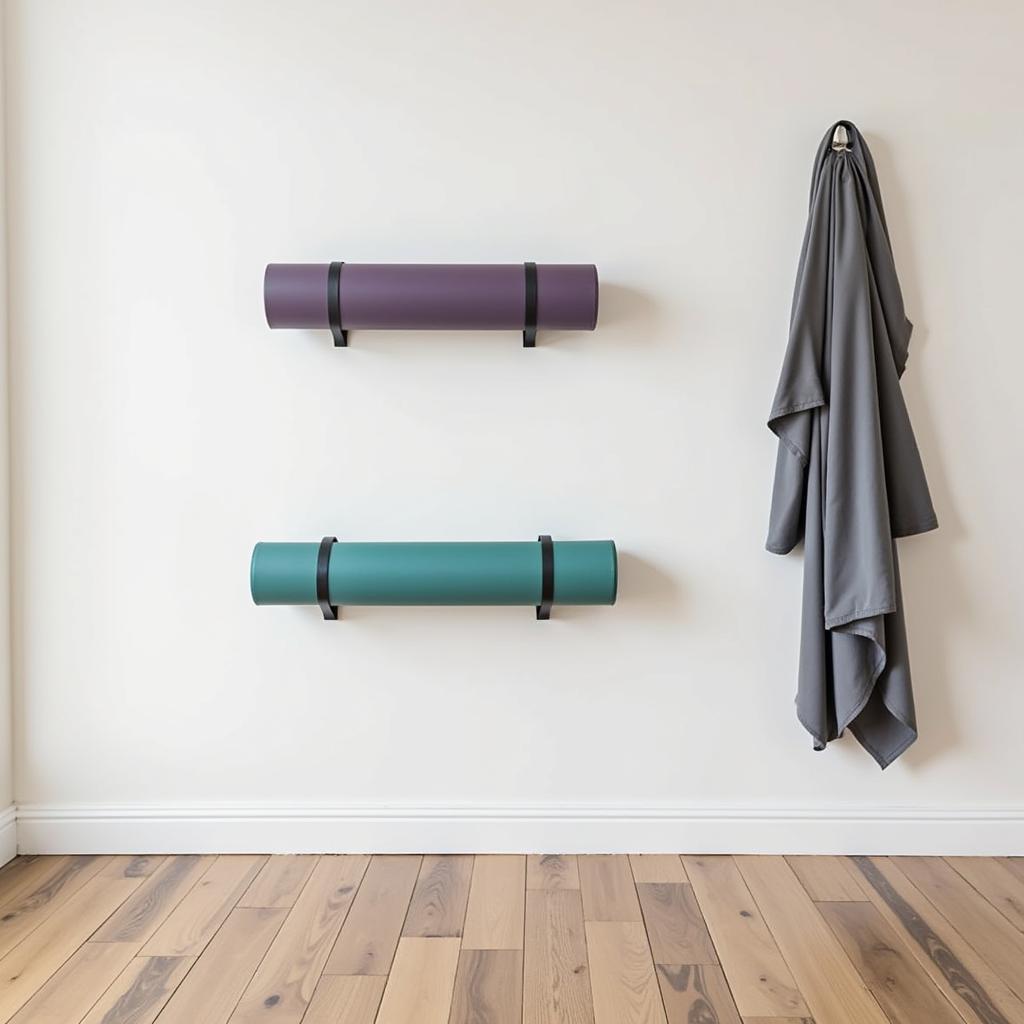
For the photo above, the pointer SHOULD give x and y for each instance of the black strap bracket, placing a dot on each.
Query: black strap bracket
(530, 312)
(334, 305)
(323, 566)
(547, 576)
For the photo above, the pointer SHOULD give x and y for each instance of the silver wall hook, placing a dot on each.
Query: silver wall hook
(841, 139)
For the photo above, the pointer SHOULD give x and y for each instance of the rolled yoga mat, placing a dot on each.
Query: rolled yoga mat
(431, 296)
(442, 573)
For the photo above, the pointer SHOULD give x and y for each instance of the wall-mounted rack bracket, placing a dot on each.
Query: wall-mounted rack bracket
(547, 577)
(334, 305)
(530, 312)
(323, 568)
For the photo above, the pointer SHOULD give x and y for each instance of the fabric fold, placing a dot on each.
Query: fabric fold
(848, 475)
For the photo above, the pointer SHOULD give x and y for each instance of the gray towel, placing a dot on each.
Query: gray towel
(849, 478)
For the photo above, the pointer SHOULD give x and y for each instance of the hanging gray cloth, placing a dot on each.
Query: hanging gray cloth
(848, 479)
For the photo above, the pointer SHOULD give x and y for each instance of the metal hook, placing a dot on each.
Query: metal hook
(841, 139)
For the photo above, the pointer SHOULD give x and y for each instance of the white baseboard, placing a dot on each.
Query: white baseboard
(8, 835)
(258, 828)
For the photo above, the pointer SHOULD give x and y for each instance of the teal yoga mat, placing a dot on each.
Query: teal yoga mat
(440, 573)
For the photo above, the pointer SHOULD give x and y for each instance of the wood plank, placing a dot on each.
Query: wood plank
(778, 1020)
(193, 922)
(552, 871)
(622, 974)
(13, 868)
(953, 965)
(284, 983)
(42, 953)
(830, 984)
(997, 883)
(761, 983)
(141, 866)
(280, 882)
(903, 990)
(696, 994)
(999, 944)
(211, 990)
(497, 896)
(69, 994)
(826, 879)
(438, 907)
(140, 991)
(488, 987)
(33, 875)
(47, 889)
(1015, 865)
(675, 927)
(371, 931)
(657, 867)
(159, 894)
(556, 971)
(609, 893)
(421, 984)
(339, 1000)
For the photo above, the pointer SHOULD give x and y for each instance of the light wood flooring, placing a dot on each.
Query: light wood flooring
(512, 940)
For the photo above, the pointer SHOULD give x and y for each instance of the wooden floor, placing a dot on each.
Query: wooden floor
(503, 939)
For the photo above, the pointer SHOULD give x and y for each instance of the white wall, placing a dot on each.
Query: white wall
(161, 153)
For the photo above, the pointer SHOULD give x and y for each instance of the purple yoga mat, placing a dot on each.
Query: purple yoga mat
(432, 296)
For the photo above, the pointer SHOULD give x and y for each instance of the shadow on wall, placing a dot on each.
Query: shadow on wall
(620, 307)
(644, 590)
(934, 587)
(651, 590)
